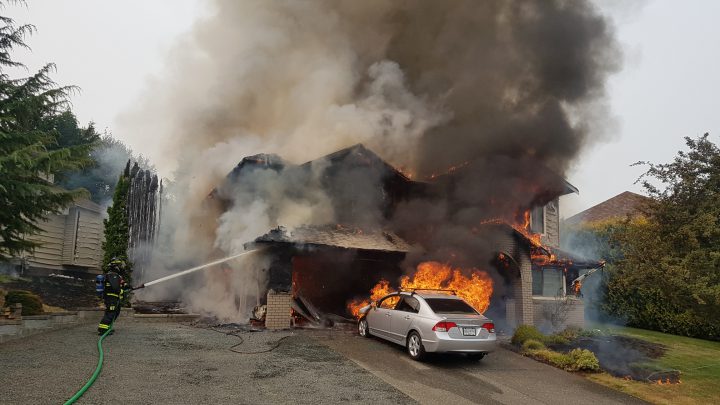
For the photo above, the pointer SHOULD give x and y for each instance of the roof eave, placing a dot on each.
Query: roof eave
(569, 188)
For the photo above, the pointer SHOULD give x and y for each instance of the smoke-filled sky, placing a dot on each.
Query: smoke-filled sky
(124, 54)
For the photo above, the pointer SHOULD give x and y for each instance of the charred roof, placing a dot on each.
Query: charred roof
(336, 236)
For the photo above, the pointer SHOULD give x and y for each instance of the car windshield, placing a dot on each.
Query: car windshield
(449, 306)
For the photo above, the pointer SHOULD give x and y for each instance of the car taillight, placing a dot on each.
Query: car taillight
(443, 326)
(489, 326)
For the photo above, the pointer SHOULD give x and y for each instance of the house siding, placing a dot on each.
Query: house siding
(73, 238)
(88, 247)
(70, 236)
(50, 239)
(552, 224)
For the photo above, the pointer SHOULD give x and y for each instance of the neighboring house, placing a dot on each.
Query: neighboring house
(624, 205)
(333, 263)
(68, 243)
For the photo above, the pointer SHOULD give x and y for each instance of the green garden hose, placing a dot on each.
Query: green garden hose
(96, 373)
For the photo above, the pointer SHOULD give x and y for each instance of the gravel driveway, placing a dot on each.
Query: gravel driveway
(168, 363)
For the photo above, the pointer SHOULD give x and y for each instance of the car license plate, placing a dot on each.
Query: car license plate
(468, 331)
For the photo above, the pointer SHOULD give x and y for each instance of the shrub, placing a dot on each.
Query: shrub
(31, 303)
(583, 360)
(532, 344)
(571, 333)
(575, 360)
(556, 339)
(555, 358)
(526, 332)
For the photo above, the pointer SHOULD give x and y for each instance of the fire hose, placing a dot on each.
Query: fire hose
(101, 355)
(98, 368)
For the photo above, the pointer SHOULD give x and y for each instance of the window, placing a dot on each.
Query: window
(537, 220)
(389, 302)
(408, 304)
(449, 306)
(547, 282)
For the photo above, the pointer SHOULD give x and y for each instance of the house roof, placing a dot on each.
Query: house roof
(548, 180)
(88, 205)
(337, 236)
(622, 205)
(360, 154)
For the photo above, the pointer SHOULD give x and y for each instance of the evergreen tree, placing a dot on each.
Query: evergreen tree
(29, 152)
(668, 278)
(116, 225)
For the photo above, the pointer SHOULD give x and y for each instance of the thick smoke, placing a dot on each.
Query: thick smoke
(508, 85)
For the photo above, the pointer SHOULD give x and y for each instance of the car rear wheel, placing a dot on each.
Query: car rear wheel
(415, 348)
(363, 328)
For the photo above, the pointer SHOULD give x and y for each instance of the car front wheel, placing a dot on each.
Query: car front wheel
(415, 348)
(363, 328)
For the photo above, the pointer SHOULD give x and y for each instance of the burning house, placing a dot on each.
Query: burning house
(371, 229)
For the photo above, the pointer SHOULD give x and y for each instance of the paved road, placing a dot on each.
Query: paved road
(503, 377)
(163, 363)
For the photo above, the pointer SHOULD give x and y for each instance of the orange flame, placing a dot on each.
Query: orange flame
(524, 229)
(667, 381)
(475, 289)
(380, 290)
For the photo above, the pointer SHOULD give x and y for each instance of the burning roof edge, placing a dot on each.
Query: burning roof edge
(336, 236)
(554, 257)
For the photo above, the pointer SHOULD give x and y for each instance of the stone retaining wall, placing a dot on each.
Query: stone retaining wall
(30, 325)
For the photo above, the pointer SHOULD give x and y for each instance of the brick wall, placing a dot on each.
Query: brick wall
(520, 307)
(568, 312)
(576, 314)
(278, 310)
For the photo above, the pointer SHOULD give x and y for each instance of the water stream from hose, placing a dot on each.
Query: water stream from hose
(194, 269)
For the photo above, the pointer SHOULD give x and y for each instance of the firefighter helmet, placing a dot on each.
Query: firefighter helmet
(117, 265)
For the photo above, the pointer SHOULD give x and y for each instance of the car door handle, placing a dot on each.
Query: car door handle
(387, 313)
(407, 317)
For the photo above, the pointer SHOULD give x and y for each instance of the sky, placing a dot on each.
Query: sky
(666, 89)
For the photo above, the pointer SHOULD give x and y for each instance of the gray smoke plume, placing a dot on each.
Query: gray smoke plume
(509, 85)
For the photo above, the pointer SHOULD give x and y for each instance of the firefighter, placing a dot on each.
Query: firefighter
(114, 289)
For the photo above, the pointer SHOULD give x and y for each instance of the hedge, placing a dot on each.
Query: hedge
(31, 303)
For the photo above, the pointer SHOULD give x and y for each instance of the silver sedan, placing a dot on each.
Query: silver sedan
(429, 322)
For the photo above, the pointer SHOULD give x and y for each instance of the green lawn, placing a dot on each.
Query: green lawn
(698, 361)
